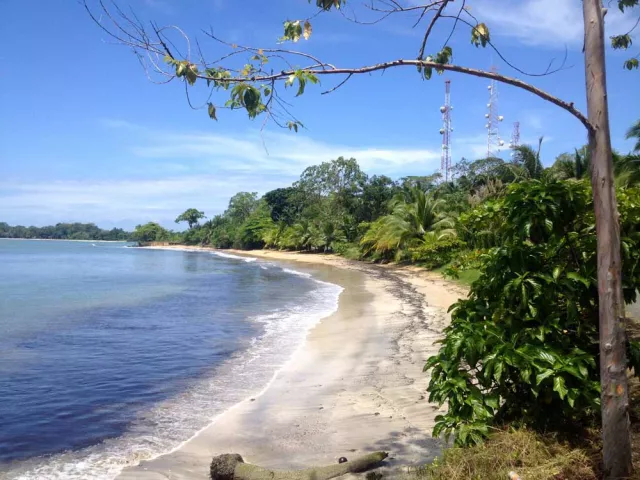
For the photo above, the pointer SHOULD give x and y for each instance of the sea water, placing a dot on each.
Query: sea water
(112, 355)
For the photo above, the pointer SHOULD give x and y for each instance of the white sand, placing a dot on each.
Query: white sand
(356, 385)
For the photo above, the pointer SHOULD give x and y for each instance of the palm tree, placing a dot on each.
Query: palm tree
(626, 168)
(576, 167)
(414, 214)
(634, 132)
(529, 159)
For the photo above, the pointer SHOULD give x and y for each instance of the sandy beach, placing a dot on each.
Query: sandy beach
(356, 384)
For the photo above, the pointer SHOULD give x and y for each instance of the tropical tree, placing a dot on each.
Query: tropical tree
(414, 214)
(634, 132)
(241, 206)
(626, 168)
(192, 216)
(523, 346)
(150, 232)
(569, 166)
(529, 160)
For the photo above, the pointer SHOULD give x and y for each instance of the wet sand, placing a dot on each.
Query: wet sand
(356, 384)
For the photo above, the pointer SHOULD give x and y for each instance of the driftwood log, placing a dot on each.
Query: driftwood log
(231, 466)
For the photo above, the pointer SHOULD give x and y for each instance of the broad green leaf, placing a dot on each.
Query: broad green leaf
(546, 356)
(560, 387)
(578, 278)
(583, 371)
(492, 401)
(542, 376)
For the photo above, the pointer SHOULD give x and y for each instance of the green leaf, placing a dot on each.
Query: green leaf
(546, 356)
(191, 73)
(578, 278)
(622, 4)
(560, 387)
(497, 371)
(294, 126)
(631, 64)
(327, 4)
(583, 371)
(480, 35)
(212, 111)
(542, 376)
(492, 400)
(292, 31)
(556, 273)
(621, 41)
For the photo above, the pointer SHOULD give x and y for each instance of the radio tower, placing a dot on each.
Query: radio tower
(515, 137)
(445, 131)
(494, 142)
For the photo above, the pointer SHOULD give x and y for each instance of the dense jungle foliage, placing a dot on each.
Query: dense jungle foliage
(64, 231)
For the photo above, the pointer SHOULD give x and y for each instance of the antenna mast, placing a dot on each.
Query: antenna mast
(494, 142)
(445, 131)
(515, 137)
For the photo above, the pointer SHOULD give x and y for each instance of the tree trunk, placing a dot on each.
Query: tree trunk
(613, 361)
(232, 467)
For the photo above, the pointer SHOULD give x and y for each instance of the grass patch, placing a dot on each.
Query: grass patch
(531, 455)
(465, 277)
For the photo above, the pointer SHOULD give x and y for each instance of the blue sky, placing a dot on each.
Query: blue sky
(87, 137)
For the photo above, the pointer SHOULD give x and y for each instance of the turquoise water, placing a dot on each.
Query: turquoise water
(111, 355)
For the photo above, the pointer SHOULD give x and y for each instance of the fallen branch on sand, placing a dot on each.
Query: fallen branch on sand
(231, 466)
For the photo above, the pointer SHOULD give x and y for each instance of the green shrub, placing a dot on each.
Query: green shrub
(524, 345)
(436, 253)
(347, 250)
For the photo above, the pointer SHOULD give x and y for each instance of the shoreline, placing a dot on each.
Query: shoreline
(354, 385)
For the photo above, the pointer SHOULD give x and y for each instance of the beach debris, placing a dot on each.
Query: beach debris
(373, 476)
(342, 460)
(377, 413)
(231, 466)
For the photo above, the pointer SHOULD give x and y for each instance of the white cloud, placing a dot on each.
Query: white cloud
(554, 23)
(114, 202)
(274, 152)
(471, 147)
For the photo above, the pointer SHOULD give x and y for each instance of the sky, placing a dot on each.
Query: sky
(87, 137)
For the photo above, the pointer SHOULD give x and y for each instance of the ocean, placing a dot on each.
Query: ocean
(112, 355)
